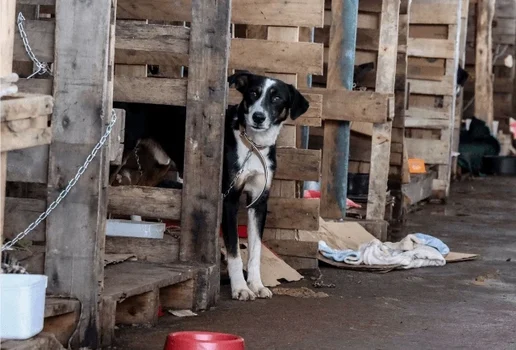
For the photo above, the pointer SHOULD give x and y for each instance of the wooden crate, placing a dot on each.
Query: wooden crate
(433, 50)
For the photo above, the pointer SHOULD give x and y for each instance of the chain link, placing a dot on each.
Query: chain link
(42, 67)
(70, 185)
(237, 175)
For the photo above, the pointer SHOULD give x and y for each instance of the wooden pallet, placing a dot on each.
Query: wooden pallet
(133, 292)
(433, 50)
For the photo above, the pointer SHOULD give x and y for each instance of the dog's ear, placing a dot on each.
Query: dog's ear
(240, 80)
(298, 103)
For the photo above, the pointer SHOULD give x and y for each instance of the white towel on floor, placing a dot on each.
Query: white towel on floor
(411, 252)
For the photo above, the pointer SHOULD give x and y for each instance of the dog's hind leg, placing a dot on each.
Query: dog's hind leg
(255, 226)
(239, 289)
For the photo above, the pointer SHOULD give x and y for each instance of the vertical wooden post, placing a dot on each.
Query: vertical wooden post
(381, 139)
(403, 175)
(7, 13)
(484, 62)
(205, 110)
(76, 229)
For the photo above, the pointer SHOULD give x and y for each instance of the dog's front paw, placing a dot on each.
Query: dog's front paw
(243, 294)
(261, 291)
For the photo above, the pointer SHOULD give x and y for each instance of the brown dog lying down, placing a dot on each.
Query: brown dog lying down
(146, 165)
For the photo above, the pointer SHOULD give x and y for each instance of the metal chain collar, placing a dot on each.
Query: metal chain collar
(254, 149)
(70, 185)
(42, 67)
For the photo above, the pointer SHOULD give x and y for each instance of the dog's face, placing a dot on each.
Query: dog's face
(267, 102)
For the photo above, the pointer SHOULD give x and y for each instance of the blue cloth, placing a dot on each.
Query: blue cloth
(433, 242)
(348, 256)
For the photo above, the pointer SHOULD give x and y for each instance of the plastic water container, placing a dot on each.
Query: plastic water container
(22, 305)
(135, 229)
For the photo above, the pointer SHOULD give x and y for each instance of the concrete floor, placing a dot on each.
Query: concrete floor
(468, 305)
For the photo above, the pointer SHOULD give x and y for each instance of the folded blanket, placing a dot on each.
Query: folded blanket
(413, 251)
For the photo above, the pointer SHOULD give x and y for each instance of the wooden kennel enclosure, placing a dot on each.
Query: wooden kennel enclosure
(100, 53)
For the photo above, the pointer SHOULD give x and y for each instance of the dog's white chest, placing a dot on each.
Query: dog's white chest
(252, 176)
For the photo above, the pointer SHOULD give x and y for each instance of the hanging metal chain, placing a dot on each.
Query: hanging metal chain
(42, 67)
(237, 175)
(70, 185)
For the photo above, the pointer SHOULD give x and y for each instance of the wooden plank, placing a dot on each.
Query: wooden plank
(20, 213)
(150, 90)
(305, 13)
(74, 248)
(483, 65)
(133, 278)
(419, 188)
(41, 36)
(205, 111)
(276, 56)
(288, 213)
(424, 113)
(298, 164)
(436, 12)
(301, 249)
(428, 87)
(385, 83)
(159, 251)
(427, 123)
(367, 39)
(367, 106)
(23, 106)
(434, 48)
(145, 201)
(25, 139)
(141, 43)
(431, 151)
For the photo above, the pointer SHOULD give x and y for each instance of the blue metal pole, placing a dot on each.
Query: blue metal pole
(347, 64)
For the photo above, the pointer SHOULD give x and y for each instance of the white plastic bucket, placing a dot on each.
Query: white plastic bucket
(22, 305)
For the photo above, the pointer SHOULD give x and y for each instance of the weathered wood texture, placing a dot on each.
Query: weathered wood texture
(484, 63)
(75, 231)
(385, 83)
(432, 70)
(7, 11)
(206, 105)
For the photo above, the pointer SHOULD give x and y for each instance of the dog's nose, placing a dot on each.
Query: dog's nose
(258, 117)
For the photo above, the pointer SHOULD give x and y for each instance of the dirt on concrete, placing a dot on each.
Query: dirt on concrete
(468, 305)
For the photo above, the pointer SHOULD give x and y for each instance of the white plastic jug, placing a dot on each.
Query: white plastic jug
(22, 305)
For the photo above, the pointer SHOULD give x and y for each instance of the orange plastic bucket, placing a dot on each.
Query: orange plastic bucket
(192, 340)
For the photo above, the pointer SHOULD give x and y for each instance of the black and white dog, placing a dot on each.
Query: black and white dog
(251, 130)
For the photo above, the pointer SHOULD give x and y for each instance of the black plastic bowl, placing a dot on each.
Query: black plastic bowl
(500, 165)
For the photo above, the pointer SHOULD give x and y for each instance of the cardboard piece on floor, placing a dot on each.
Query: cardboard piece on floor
(350, 235)
(110, 259)
(273, 269)
(458, 257)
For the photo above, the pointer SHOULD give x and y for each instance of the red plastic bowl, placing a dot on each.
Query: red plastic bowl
(203, 341)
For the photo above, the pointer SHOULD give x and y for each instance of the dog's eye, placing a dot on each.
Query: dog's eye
(276, 99)
(253, 94)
